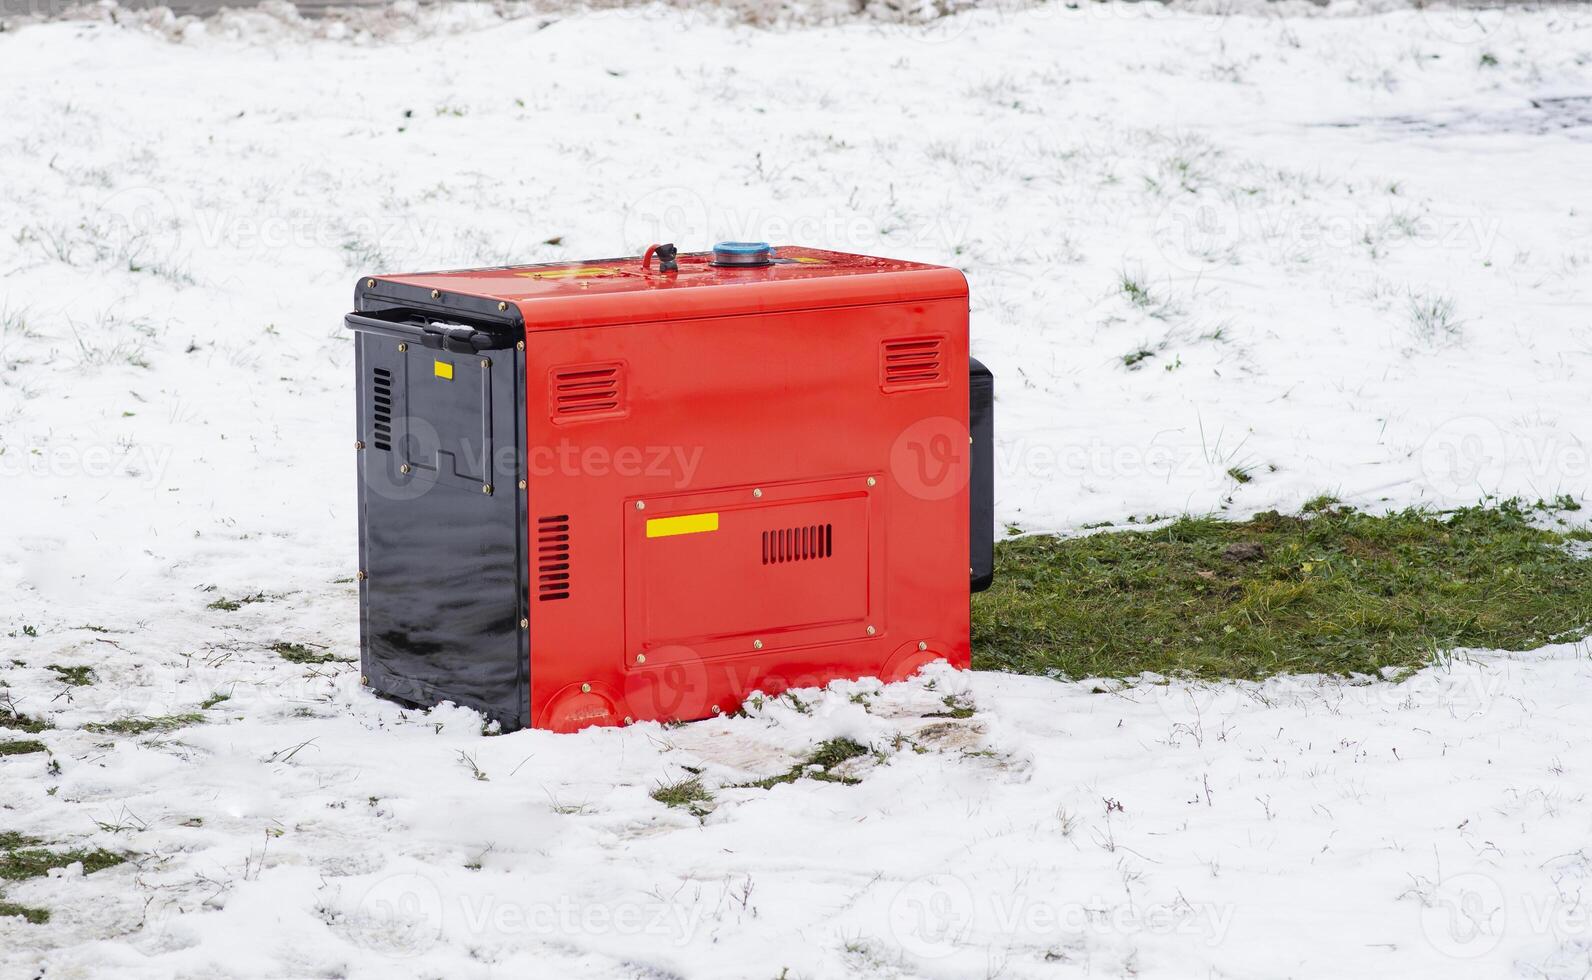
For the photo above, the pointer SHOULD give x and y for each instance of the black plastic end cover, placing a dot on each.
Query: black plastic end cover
(981, 486)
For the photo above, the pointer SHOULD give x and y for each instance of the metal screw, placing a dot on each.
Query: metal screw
(436, 294)
(402, 348)
(641, 658)
(757, 493)
(502, 307)
(370, 284)
(359, 444)
(871, 631)
(524, 623)
(641, 505)
(715, 709)
(757, 644)
(486, 488)
(485, 363)
(520, 345)
(629, 720)
(523, 484)
(364, 680)
(872, 481)
(360, 575)
(585, 689)
(404, 468)
(922, 645)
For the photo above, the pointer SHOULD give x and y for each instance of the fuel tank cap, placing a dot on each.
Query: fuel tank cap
(743, 254)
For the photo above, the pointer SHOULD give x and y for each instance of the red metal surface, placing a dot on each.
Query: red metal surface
(768, 397)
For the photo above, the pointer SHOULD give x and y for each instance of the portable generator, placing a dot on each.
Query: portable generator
(642, 488)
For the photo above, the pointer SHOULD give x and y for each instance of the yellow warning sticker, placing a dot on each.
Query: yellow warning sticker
(666, 527)
(442, 369)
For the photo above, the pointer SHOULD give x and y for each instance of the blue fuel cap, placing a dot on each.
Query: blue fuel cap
(743, 254)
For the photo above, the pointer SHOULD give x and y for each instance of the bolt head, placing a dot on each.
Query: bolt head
(585, 689)
(758, 492)
(404, 468)
(502, 307)
(872, 481)
(519, 345)
(485, 363)
(436, 294)
(364, 680)
(524, 623)
(871, 631)
(370, 284)
(359, 444)
(486, 488)
(641, 505)
(641, 658)
(629, 720)
(757, 644)
(523, 484)
(360, 575)
(922, 645)
(402, 348)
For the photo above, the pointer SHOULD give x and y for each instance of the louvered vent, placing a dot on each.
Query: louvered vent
(578, 392)
(798, 543)
(381, 398)
(552, 557)
(912, 362)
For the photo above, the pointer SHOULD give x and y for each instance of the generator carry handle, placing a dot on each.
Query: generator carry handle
(418, 327)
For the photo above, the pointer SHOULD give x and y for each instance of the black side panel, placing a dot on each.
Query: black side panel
(981, 489)
(442, 526)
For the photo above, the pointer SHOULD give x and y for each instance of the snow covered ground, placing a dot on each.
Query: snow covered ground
(1342, 254)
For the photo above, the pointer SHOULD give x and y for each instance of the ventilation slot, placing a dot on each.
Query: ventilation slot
(586, 391)
(798, 543)
(381, 398)
(552, 557)
(912, 362)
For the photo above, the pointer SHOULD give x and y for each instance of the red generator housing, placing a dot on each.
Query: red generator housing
(621, 490)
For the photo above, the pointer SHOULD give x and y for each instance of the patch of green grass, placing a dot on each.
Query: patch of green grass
(1239, 474)
(34, 916)
(213, 700)
(955, 707)
(233, 605)
(140, 726)
(74, 676)
(298, 653)
(1333, 592)
(10, 840)
(15, 720)
(688, 794)
(35, 862)
(827, 756)
(25, 746)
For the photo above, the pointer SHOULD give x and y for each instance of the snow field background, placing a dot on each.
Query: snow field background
(1334, 254)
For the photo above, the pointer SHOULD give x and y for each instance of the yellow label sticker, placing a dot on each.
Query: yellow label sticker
(666, 527)
(575, 272)
(442, 369)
